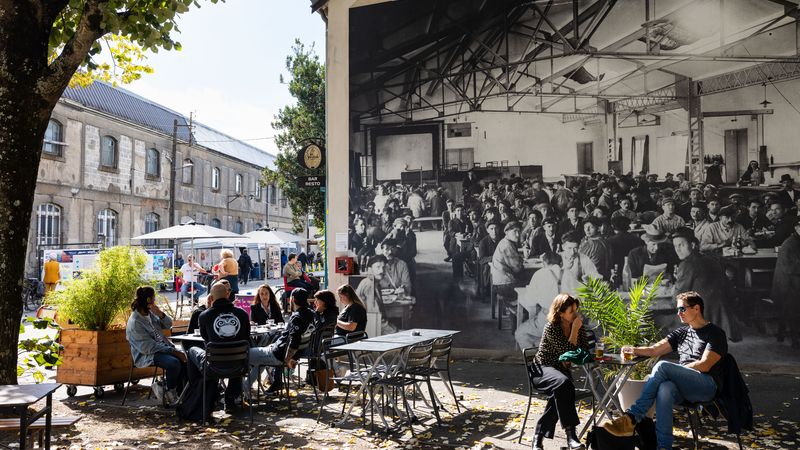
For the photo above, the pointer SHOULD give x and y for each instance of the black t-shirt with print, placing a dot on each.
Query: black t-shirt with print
(353, 313)
(691, 344)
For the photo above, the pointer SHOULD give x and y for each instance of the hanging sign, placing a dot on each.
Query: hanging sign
(312, 156)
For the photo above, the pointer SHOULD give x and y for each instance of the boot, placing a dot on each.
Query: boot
(573, 443)
(538, 442)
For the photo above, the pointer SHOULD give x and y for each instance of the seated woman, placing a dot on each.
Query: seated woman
(229, 270)
(564, 332)
(354, 314)
(293, 273)
(325, 309)
(149, 346)
(265, 306)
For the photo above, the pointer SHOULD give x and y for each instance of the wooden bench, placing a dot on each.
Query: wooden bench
(36, 429)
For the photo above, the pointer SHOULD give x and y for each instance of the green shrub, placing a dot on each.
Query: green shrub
(93, 301)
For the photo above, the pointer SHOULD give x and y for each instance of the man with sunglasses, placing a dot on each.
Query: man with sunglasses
(700, 346)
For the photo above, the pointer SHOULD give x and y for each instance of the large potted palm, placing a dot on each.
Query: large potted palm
(624, 321)
(94, 310)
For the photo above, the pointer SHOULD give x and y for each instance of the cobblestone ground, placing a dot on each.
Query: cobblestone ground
(493, 403)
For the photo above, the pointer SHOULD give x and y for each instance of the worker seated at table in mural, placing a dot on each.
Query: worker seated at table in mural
(506, 267)
(544, 286)
(577, 267)
(780, 228)
(669, 221)
(725, 234)
(564, 332)
(485, 251)
(753, 219)
(698, 219)
(786, 285)
(405, 241)
(705, 274)
(700, 344)
(654, 257)
(546, 238)
(595, 246)
(370, 291)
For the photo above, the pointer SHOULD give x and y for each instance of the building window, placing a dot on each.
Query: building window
(187, 176)
(107, 227)
(54, 138)
(272, 194)
(455, 130)
(238, 183)
(108, 152)
(215, 179)
(151, 224)
(238, 228)
(48, 230)
(216, 223)
(153, 163)
(257, 190)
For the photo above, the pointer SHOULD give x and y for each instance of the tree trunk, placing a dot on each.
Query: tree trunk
(24, 112)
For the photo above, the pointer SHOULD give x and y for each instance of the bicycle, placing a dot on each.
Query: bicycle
(32, 294)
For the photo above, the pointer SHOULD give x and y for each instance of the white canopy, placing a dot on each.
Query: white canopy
(189, 230)
(273, 237)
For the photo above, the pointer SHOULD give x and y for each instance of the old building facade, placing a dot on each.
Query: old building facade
(105, 175)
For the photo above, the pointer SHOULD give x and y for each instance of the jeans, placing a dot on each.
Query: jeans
(197, 356)
(671, 384)
(261, 356)
(174, 369)
(199, 289)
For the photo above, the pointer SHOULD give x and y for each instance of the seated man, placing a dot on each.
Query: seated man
(668, 222)
(506, 267)
(544, 287)
(652, 254)
(189, 272)
(221, 323)
(700, 346)
(577, 266)
(724, 233)
(285, 346)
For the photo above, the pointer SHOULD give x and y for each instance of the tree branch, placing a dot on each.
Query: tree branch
(75, 51)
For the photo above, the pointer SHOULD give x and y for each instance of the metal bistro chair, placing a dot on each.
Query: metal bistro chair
(305, 341)
(225, 360)
(314, 355)
(440, 364)
(329, 354)
(417, 356)
(529, 358)
(156, 379)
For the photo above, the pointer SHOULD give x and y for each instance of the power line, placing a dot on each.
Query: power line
(240, 140)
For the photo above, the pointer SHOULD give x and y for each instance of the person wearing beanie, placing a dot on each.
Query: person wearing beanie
(283, 350)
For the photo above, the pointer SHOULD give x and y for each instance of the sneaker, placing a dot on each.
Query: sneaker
(621, 426)
(171, 397)
(158, 390)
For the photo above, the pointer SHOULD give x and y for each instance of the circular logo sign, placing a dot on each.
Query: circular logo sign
(312, 156)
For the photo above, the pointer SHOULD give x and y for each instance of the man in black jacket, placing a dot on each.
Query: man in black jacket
(285, 346)
(221, 322)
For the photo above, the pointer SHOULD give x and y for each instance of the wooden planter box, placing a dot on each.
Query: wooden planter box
(96, 358)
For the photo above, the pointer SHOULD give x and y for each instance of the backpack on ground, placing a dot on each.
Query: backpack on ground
(600, 439)
(646, 434)
(191, 405)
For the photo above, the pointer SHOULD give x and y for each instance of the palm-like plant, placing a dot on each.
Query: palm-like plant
(623, 322)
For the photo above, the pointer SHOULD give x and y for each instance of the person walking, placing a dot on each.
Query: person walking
(245, 266)
(52, 273)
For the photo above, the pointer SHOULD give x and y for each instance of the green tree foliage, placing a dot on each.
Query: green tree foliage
(43, 43)
(296, 124)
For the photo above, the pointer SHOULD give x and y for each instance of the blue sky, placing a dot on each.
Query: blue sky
(228, 71)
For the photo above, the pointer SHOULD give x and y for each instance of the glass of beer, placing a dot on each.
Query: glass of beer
(627, 353)
(599, 350)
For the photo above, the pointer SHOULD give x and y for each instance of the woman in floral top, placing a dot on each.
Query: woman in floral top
(564, 332)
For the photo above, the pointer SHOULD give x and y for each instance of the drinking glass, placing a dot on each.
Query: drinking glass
(599, 350)
(627, 353)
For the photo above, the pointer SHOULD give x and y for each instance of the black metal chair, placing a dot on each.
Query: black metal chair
(695, 410)
(154, 380)
(305, 341)
(440, 364)
(529, 358)
(225, 360)
(312, 355)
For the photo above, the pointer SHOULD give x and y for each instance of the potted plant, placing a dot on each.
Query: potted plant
(624, 322)
(96, 351)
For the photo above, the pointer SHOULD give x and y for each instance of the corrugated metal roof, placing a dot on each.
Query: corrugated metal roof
(126, 105)
(221, 142)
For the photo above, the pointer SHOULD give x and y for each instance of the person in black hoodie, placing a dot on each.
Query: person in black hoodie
(222, 322)
(285, 346)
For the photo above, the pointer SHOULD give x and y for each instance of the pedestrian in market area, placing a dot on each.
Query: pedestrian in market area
(245, 266)
(52, 273)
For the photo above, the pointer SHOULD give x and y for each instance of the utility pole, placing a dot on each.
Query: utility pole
(173, 173)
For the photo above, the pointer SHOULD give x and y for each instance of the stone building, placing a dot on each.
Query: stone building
(105, 175)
